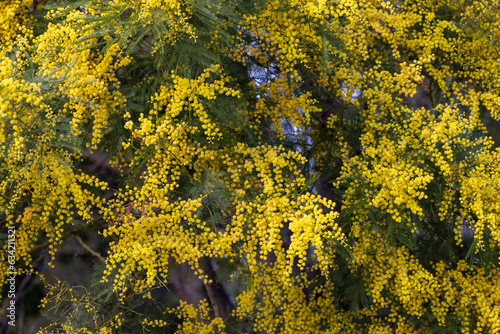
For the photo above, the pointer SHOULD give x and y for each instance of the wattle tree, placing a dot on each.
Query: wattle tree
(271, 166)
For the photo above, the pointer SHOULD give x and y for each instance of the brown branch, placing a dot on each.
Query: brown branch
(90, 250)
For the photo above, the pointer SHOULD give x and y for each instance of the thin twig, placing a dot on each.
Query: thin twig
(90, 250)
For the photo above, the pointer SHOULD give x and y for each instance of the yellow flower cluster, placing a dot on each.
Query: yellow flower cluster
(179, 113)
(198, 321)
(406, 290)
(36, 157)
(285, 308)
(393, 174)
(282, 29)
(309, 217)
(461, 62)
(154, 323)
(187, 96)
(87, 79)
(279, 101)
(149, 244)
(171, 229)
(480, 193)
(14, 22)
